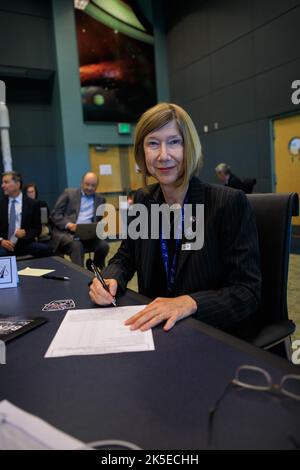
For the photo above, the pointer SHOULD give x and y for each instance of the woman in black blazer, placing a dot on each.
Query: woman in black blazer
(219, 282)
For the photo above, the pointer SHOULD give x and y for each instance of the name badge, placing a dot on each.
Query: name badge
(186, 246)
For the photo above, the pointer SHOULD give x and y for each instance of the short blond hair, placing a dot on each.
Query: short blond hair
(157, 117)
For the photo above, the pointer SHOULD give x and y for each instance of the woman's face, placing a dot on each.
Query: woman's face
(164, 151)
(31, 192)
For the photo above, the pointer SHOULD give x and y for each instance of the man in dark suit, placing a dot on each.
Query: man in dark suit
(78, 206)
(224, 174)
(20, 223)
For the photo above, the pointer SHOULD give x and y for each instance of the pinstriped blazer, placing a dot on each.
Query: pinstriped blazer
(223, 277)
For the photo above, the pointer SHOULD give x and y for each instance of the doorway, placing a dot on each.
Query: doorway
(286, 134)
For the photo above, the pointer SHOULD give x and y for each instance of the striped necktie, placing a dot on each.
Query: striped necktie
(12, 219)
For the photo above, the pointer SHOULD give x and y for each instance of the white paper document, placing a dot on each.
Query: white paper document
(20, 430)
(34, 272)
(99, 331)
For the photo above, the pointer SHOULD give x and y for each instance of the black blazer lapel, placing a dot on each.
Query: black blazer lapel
(196, 195)
(148, 250)
(98, 200)
(77, 202)
(4, 218)
(25, 209)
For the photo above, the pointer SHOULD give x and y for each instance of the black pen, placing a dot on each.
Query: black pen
(58, 278)
(99, 276)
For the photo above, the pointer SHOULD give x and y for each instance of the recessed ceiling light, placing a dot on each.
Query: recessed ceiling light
(81, 4)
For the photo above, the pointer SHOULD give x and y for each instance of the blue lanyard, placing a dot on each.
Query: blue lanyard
(171, 271)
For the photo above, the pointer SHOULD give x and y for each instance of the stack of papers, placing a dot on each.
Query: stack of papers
(34, 272)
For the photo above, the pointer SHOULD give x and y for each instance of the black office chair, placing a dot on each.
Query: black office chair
(273, 214)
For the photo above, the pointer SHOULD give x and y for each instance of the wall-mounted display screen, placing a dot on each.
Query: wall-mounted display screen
(116, 58)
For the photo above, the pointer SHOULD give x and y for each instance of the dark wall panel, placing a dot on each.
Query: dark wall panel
(200, 111)
(32, 126)
(25, 41)
(27, 65)
(196, 36)
(237, 76)
(198, 81)
(277, 42)
(264, 11)
(263, 148)
(228, 21)
(27, 7)
(177, 85)
(176, 54)
(188, 22)
(232, 63)
(37, 164)
(233, 105)
(33, 149)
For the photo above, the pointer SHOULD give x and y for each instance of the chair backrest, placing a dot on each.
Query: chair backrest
(44, 216)
(45, 232)
(273, 214)
(248, 185)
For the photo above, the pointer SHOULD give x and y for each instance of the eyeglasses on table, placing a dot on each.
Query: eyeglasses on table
(258, 379)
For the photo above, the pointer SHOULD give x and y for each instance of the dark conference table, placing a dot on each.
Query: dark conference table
(158, 399)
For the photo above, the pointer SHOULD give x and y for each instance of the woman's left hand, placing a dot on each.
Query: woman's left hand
(170, 310)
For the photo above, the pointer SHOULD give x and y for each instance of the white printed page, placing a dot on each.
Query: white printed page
(20, 430)
(99, 331)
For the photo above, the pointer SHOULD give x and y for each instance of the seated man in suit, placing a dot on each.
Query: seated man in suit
(224, 174)
(20, 223)
(78, 206)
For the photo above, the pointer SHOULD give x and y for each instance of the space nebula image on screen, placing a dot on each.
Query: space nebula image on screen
(116, 61)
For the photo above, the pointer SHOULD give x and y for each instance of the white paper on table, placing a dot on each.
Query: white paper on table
(21, 430)
(34, 272)
(99, 331)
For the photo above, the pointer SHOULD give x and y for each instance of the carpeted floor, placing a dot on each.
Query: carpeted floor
(294, 292)
(293, 286)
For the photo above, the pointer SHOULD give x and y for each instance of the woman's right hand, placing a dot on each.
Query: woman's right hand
(99, 295)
